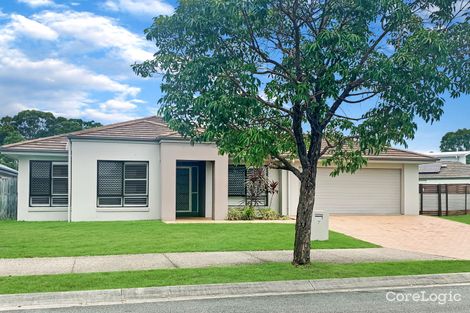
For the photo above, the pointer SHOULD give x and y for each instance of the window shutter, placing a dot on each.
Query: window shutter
(110, 180)
(236, 180)
(40, 182)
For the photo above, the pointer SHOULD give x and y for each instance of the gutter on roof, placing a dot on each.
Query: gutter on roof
(30, 151)
(84, 137)
(8, 171)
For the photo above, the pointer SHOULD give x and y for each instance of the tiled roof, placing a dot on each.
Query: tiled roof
(399, 154)
(149, 128)
(154, 128)
(447, 170)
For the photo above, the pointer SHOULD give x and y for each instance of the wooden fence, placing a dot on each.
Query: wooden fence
(444, 199)
(8, 198)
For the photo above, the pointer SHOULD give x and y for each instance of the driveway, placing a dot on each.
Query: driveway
(422, 234)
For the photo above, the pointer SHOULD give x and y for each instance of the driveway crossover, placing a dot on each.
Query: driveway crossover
(422, 234)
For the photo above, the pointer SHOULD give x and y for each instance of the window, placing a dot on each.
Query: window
(122, 183)
(237, 176)
(236, 180)
(48, 184)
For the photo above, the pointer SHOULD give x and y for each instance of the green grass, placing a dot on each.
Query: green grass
(460, 218)
(48, 239)
(231, 274)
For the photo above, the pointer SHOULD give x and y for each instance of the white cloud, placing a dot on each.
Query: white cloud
(52, 84)
(28, 27)
(97, 32)
(140, 7)
(108, 117)
(120, 104)
(37, 3)
(49, 80)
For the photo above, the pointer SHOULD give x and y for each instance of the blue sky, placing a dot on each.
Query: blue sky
(73, 58)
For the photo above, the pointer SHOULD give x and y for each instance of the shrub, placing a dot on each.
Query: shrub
(266, 214)
(235, 214)
(251, 213)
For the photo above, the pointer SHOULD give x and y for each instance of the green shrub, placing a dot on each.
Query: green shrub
(251, 213)
(235, 214)
(266, 214)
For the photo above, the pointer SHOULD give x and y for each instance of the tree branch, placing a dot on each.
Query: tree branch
(288, 166)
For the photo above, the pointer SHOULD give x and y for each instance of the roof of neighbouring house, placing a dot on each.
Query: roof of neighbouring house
(448, 154)
(151, 128)
(6, 171)
(442, 170)
(154, 128)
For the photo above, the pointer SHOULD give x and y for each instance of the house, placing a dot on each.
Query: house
(142, 169)
(7, 172)
(8, 196)
(444, 172)
(454, 156)
(444, 188)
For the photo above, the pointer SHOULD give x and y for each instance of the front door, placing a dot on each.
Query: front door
(189, 189)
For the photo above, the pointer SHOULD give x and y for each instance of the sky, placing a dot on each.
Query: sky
(73, 57)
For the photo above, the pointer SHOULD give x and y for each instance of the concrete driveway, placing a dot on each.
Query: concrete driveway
(424, 234)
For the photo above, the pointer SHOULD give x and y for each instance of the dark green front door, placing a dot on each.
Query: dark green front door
(190, 188)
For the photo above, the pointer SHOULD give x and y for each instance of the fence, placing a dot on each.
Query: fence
(444, 199)
(8, 198)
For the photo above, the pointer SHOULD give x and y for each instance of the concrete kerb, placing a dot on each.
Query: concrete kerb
(175, 293)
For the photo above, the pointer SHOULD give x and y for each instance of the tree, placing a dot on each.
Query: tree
(32, 124)
(285, 79)
(457, 141)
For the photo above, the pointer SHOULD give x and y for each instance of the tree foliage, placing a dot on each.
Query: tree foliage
(32, 124)
(302, 79)
(457, 141)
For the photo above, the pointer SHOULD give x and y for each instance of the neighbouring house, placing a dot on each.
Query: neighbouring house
(444, 172)
(453, 156)
(142, 169)
(7, 172)
(444, 187)
(8, 192)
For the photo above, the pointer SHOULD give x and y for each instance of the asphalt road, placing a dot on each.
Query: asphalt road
(361, 301)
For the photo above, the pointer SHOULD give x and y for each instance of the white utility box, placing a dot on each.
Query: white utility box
(320, 226)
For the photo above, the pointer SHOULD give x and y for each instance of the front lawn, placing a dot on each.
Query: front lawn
(46, 239)
(459, 218)
(230, 274)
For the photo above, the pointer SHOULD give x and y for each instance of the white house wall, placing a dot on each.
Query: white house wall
(85, 157)
(25, 212)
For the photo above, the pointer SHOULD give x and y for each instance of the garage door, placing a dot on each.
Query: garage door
(368, 191)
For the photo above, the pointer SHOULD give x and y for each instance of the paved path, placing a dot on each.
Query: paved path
(422, 234)
(109, 263)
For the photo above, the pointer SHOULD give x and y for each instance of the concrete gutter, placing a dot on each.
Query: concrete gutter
(178, 293)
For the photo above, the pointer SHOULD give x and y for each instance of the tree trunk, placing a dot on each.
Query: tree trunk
(303, 224)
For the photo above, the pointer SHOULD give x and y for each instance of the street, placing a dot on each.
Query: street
(452, 299)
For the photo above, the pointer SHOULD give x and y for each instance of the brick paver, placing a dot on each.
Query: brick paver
(422, 234)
